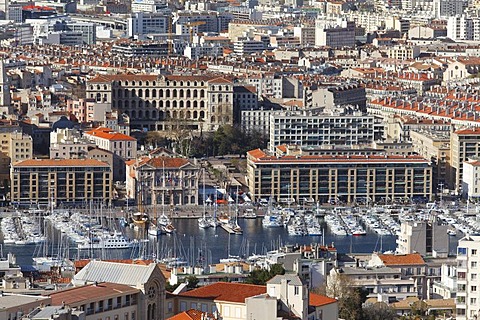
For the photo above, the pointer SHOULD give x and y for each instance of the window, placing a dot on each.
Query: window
(297, 290)
(473, 264)
(473, 288)
(183, 306)
(474, 252)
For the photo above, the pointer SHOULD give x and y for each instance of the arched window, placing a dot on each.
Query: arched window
(202, 105)
(147, 93)
(161, 115)
(147, 114)
(120, 104)
(202, 93)
(160, 104)
(140, 93)
(167, 93)
(154, 93)
(134, 114)
(219, 109)
(140, 114)
(188, 103)
(182, 114)
(195, 104)
(181, 103)
(202, 114)
(154, 114)
(188, 93)
(127, 95)
(195, 93)
(188, 114)
(168, 115)
(212, 119)
(160, 93)
(195, 114)
(213, 109)
(154, 103)
(181, 93)
(174, 93)
(167, 104)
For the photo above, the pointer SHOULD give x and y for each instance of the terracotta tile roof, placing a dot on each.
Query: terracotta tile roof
(81, 295)
(225, 291)
(468, 131)
(282, 148)
(61, 163)
(440, 303)
(401, 259)
(159, 162)
(109, 134)
(257, 153)
(318, 300)
(192, 314)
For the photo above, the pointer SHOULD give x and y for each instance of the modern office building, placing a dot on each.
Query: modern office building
(335, 35)
(468, 284)
(68, 181)
(199, 103)
(141, 23)
(338, 178)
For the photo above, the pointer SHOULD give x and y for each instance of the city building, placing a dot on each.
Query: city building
(468, 293)
(118, 143)
(144, 23)
(147, 282)
(434, 145)
(428, 238)
(163, 180)
(324, 95)
(464, 145)
(471, 181)
(5, 99)
(65, 181)
(68, 144)
(103, 300)
(335, 35)
(333, 178)
(201, 103)
(15, 306)
(245, 46)
(341, 126)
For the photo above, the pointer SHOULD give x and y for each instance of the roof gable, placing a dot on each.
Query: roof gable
(225, 291)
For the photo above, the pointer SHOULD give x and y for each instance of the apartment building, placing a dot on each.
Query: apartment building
(468, 285)
(120, 144)
(61, 181)
(465, 144)
(339, 127)
(15, 146)
(335, 35)
(471, 181)
(200, 103)
(434, 145)
(427, 238)
(88, 110)
(332, 178)
(144, 23)
(326, 95)
(163, 180)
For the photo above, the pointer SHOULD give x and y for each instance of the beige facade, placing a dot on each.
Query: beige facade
(468, 293)
(15, 306)
(61, 181)
(163, 180)
(15, 147)
(118, 143)
(200, 103)
(435, 146)
(346, 178)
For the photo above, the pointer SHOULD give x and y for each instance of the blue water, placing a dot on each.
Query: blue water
(209, 245)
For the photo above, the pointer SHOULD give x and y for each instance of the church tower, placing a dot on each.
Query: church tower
(5, 101)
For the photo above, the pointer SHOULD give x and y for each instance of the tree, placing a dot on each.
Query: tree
(261, 276)
(350, 297)
(192, 282)
(379, 311)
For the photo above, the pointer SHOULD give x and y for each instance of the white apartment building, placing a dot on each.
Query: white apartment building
(149, 6)
(463, 28)
(120, 144)
(468, 281)
(312, 130)
(336, 35)
(197, 51)
(256, 120)
(247, 46)
(68, 144)
(403, 52)
(471, 179)
(141, 23)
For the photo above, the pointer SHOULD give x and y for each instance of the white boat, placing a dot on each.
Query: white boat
(107, 241)
(168, 229)
(249, 214)
(314, 231)
(154, 230)
(204, 223)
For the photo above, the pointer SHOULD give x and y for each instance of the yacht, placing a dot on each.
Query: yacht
(107, 241)
(249, 214)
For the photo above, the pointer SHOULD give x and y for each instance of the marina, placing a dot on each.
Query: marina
(348, 229)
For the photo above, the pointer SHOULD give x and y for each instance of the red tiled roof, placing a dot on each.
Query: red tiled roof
(318, 300)
(257, 153)
(468, 131)
(159, 162)
(109, 134)
(80, 295)
(61, 163)
(401, 259)
(225, 291)
(191, 314)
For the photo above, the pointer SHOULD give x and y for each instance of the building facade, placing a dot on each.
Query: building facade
(200, 103)
(332, 178)
(464, 145)
(163, 180)
(312, 130)
(61, 181)
(120, 144)
(468, 291)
